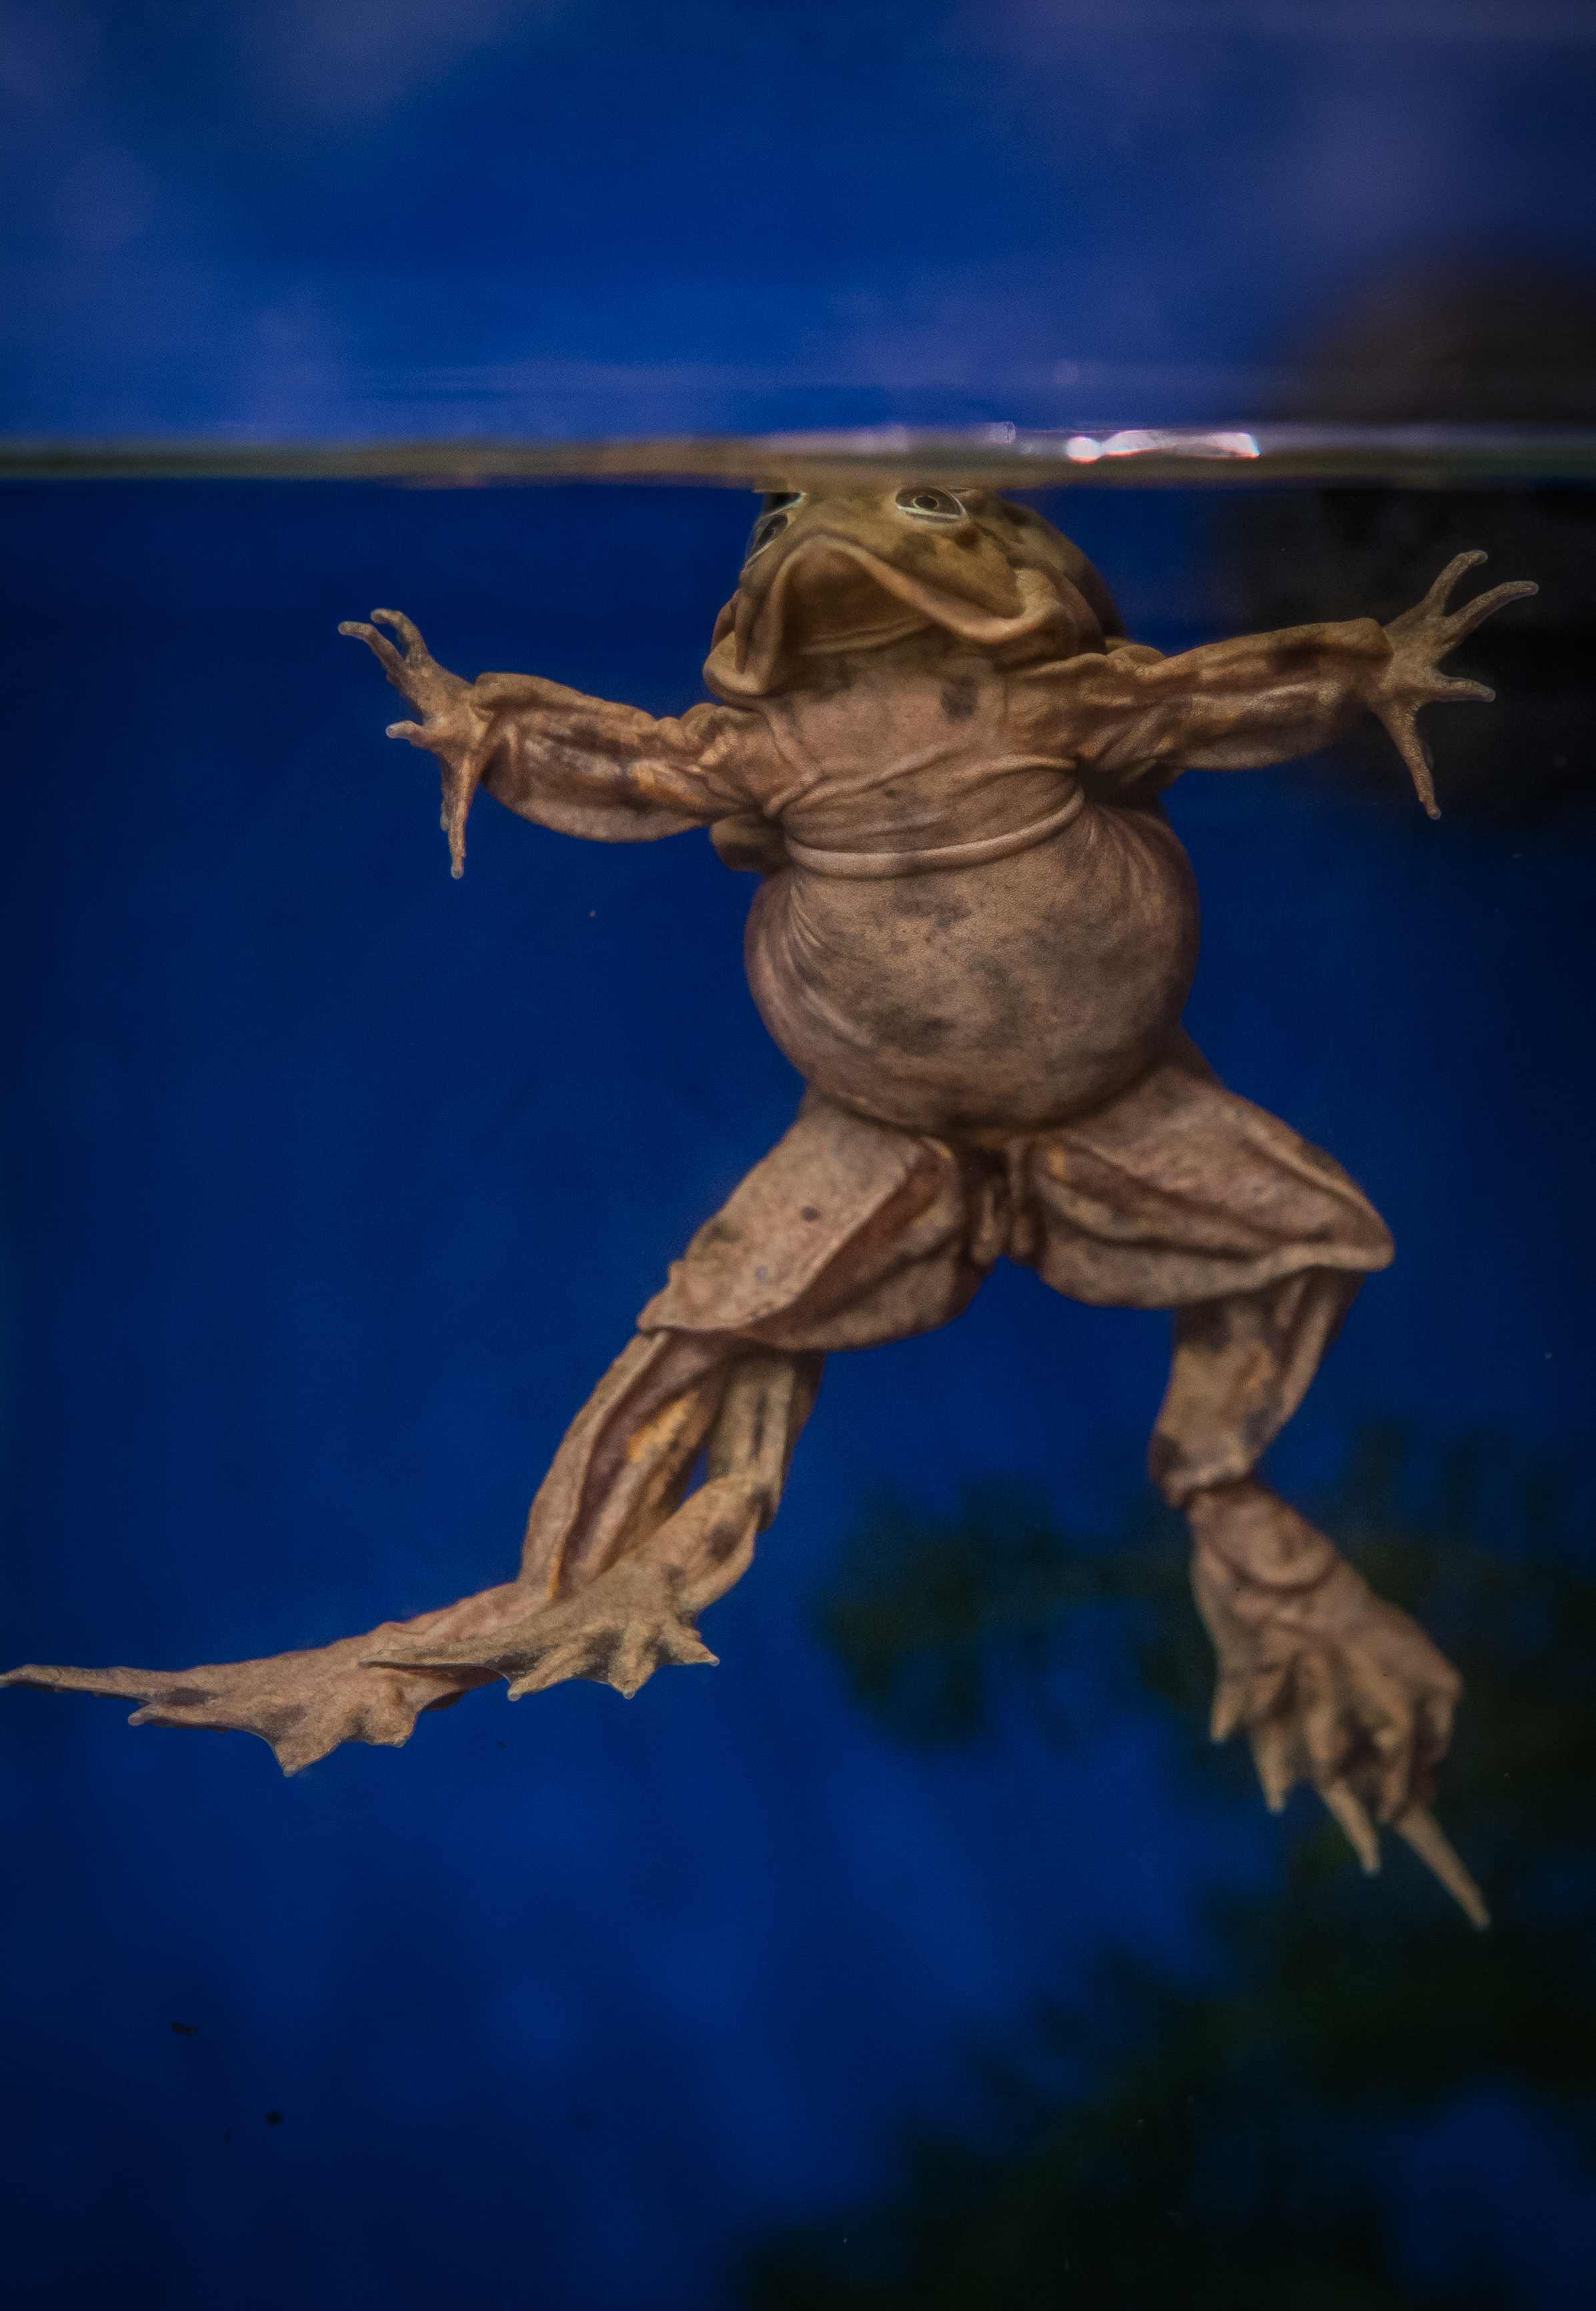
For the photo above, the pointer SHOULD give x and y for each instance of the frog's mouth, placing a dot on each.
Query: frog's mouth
(829, 594)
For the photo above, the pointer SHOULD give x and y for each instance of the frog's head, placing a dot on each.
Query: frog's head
(854, 567)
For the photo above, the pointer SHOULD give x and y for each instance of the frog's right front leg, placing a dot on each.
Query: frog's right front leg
(456, 725)
(584, 766)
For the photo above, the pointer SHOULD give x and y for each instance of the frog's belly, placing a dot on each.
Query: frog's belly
(1003, 996)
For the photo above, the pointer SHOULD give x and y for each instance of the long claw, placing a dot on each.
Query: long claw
(1436, 596)
(408, 632)
(459, 792)
(1463, 622)
(392, 664)
(1435, 1849)
(1416, 755)
(1352, 1814)
(1271, 1754)
(1436, 1712)
(1230, 1707)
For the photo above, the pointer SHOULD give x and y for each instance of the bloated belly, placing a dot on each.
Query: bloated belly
(1000, 997)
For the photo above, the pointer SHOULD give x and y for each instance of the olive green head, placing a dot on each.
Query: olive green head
(856, 566)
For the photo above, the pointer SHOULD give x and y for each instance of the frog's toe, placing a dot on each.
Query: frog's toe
(617, 1631)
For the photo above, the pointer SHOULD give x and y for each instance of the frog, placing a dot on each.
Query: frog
(974, 932)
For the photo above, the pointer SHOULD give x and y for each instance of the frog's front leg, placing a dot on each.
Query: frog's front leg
(456, 725)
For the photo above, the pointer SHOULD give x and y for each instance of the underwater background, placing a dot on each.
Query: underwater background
(922, 1953)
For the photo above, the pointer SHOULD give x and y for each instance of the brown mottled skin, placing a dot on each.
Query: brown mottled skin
(973, 936)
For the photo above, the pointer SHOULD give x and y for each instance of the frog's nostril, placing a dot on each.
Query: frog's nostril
(769, 526)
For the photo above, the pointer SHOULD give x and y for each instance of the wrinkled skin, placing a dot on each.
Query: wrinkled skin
(973, 935)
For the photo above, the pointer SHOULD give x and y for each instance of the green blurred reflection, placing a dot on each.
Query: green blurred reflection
(1164, 2144)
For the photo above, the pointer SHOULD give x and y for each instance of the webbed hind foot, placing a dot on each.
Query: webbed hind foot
(1331, 1685)
(636, 1617)
(302, 1704)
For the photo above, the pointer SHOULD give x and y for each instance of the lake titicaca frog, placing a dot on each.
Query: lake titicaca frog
(973, 935)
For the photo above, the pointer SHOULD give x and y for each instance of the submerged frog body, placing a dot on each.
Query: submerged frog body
(973, 935)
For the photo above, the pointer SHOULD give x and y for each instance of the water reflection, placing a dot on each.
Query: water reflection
(1245, 2140)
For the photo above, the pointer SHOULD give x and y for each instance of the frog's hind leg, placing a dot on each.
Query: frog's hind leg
(1181, 1195)
(848, 1233)
(619, 1559)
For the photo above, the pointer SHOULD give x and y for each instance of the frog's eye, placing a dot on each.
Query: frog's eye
(929, 505)
(765, 532)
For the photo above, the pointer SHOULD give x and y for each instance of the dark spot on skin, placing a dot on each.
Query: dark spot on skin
(809, 1213)
(723, 1544)
(930, 898)
(958, 698)
(761, 1276)
(719, 1231)
(183, 1696)
(625, 800)
(919, 1037)
(187, 2029)
(273, 2118)
(276, 1722)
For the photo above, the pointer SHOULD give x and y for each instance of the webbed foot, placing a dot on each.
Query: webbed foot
(629, 1623)
(626, 1622)
(1332, 1686)
(302, 1704)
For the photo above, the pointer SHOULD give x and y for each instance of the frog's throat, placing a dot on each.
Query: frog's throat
(758, 628)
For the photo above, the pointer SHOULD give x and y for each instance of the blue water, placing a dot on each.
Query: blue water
(332, 1186)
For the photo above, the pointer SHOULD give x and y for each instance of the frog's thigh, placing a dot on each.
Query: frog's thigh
(1183, 1196)
(849, 1234)
(1179, 1191)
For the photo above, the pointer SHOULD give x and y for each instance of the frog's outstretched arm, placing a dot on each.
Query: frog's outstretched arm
(579, 765)
(1266, 698)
